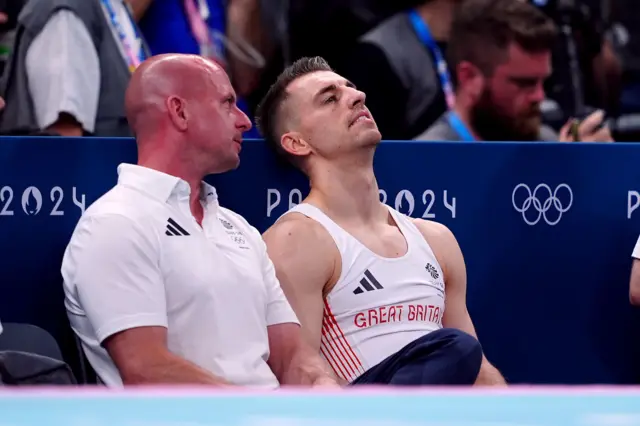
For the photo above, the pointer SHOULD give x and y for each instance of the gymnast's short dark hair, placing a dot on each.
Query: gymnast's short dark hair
(269, 117)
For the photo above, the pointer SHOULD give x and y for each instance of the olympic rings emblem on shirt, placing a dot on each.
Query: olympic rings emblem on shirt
(542, 200)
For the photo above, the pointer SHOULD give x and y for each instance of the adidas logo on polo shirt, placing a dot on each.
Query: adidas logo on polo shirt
(173, 229)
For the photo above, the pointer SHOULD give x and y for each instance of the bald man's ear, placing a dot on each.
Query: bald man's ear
(294, 144)
(177, 109)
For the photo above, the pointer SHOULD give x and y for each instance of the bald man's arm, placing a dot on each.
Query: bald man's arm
(142, 358)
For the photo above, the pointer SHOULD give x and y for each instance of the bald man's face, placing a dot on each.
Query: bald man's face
(218, 124)
(330, 114)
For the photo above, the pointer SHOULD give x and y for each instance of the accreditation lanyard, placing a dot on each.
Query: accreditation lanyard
(425, 36)
(133, 58)
(459, 127)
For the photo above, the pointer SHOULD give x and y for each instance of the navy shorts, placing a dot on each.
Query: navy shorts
(443, 357)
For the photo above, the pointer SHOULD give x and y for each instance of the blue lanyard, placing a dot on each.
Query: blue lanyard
(424, 34)
(459, 127)
(133, 58)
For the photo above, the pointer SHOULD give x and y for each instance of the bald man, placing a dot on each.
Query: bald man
(162, 284)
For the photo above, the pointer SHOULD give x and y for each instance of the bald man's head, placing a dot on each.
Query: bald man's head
(187, 100)
(159, 78)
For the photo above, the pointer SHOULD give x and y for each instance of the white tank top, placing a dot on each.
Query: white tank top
(379, 304)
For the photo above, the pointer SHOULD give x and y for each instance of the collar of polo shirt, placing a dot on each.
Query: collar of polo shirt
(161, 185)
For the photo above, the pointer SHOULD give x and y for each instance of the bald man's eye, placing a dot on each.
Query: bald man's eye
(230, 100)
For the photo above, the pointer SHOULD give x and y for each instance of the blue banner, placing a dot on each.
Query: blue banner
(547, 232)
(352, 408)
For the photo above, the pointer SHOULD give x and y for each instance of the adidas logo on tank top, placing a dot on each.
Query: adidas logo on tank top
(379, 304)
(368, 283)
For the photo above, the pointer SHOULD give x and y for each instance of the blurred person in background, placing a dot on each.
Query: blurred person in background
(586, 68)
(500, 53)
(231, 32)
(9, 11)
(70, 66)
(401, 67)
(625, 30)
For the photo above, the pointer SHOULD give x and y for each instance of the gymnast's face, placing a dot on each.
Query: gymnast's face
(328, 117)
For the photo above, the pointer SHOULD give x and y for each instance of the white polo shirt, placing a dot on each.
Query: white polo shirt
(138, 258)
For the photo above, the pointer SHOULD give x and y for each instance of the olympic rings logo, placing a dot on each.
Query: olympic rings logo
(534, 200)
